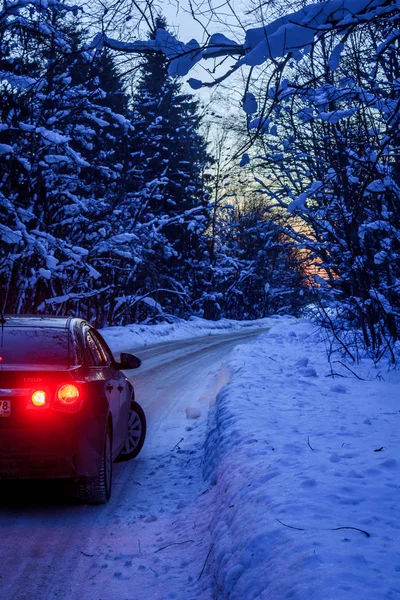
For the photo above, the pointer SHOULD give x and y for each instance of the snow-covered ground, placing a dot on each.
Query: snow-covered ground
(305, 458)
(285, 486)
(135, 336)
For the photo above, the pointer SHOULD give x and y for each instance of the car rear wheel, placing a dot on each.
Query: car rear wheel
(97, 490)
(136, 432)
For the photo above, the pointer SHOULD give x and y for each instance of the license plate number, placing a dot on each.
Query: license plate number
(5, 408)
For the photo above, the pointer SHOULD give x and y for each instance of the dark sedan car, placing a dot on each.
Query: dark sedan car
(66, 409)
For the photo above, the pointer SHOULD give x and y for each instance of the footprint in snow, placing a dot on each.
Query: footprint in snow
(308, 483)
(338, 389)
(390, 463)
(119, 575)
(308, 372)
(302, 362)
(150, 519)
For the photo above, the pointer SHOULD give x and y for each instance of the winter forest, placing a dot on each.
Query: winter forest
(146, 176)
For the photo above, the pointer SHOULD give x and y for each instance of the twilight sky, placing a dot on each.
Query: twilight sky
(179, 17)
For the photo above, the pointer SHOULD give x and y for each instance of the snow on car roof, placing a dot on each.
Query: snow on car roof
(36, 321)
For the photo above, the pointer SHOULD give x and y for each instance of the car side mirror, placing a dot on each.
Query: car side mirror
(129, 361)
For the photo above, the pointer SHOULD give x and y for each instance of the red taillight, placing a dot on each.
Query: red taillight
(68, 394)
(39, 398)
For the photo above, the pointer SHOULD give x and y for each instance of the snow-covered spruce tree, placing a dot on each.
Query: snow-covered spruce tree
(169, 160)
(115, 241)
(31, 151)
(58, 167)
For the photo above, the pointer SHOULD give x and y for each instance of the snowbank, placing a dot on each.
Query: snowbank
(307, 474)
(135, 336)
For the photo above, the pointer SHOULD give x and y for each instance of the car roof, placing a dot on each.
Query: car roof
(37, 321)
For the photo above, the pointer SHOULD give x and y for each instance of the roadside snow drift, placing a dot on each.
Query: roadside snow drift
(136, 335)
(306, 465)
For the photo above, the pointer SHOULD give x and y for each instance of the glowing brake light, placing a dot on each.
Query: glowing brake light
(39, 398)
(68, 394)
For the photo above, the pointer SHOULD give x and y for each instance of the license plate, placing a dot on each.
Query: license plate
(5, 408)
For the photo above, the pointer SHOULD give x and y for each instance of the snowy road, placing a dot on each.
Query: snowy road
(151, 540)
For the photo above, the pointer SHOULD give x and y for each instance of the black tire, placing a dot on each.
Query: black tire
(97, 490)
(136, 432)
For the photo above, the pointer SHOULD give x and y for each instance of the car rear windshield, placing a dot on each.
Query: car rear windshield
(34, 346)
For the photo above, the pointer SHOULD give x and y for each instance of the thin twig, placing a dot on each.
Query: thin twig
(355, 529)
(290, 526)
(173, 544)
(308, 442)
(335, 375)
(156, 572)
(140, 550)
(85, 554)
(351, 371)
(332, 529)
(176, 445)
(95, 575)
(205, 562)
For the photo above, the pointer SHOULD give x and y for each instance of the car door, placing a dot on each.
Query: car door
(121, 386)
(105, 372)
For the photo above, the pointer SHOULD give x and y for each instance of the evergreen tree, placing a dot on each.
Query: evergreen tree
(58, 180)
(168, 174)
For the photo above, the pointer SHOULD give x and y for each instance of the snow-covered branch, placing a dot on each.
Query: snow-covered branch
(292, 34)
